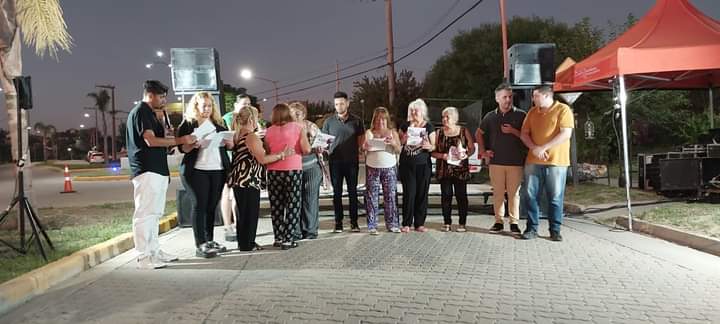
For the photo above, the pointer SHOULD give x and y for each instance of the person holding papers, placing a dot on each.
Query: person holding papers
(382, 143)
(454, 144)
(415, 166)
(204, 167)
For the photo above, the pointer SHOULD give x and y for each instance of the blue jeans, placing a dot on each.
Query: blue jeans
(551, 179)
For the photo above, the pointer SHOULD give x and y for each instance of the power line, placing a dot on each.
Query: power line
(386, 64)
(429, 30)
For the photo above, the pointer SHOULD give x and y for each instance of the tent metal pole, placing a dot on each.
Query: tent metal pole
(623, 114)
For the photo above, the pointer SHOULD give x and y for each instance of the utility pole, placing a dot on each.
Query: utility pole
(337, 76)
(390, 55)
(112, 114)
(503, 24)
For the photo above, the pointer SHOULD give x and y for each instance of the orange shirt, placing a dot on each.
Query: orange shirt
(543, 126)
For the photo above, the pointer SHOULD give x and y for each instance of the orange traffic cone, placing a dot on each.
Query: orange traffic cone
(68, 182)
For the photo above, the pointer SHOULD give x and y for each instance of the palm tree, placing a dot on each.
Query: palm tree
(102, 100)
(44, 29)
(46, 131)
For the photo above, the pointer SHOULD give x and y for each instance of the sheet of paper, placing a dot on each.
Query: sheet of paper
(217, 138)
(376, 144)
(415, 136)
(323, 141)
(204, 129)
(456, 155)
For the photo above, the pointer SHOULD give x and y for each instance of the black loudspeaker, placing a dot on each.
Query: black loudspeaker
(195, 69)
(23, 88)
(185, 205)
(532, 64)
(680, 174)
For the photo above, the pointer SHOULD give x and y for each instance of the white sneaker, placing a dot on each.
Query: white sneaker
(373, 231)
(395, 230)
(166, 257)
(149, 263)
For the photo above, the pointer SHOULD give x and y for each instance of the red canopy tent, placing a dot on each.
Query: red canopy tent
(674, 46)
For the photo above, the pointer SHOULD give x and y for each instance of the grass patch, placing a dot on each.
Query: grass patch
(700, 218)
(593, 194)
(70, 229)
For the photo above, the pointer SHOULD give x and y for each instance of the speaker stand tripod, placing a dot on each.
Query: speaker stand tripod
(25, 209)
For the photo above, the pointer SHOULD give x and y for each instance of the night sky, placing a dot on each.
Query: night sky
(281, 40)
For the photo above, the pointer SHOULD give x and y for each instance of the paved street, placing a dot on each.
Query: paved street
(596, 275)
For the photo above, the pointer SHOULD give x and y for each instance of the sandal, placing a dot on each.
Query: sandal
(461, 229)
(445, 228)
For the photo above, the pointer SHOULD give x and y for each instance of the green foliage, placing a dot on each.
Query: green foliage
(370, 93)
(318, 109)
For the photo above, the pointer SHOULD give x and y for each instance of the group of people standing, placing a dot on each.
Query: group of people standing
(231, 169)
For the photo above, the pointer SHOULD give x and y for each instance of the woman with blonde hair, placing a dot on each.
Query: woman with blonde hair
(203, 170)
(312, 177)
(415, 166)
(382, 143)
(247, 175)
(454, 144)
(285, 176)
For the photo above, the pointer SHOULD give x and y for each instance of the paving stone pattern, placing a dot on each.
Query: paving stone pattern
(433, 277)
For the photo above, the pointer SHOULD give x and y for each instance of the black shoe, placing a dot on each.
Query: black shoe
(277, 244)
(338, 228)
(515, 229)
(204, 251)
(217, 246)
(497, 228)
(290, 245)
(354, 228)
(556, 237)
(529, 235)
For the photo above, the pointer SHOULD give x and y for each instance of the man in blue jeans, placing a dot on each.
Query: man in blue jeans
(546, 132)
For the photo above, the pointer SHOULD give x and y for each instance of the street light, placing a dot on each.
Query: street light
(82, 125)
(158, 60)
(247, 75)
(69, 149)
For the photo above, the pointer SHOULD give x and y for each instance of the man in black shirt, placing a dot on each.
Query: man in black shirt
(349, 133)
(499, 143)
(147, 154)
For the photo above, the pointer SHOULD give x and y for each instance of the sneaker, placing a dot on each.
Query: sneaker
(497, 228)
(217, 246)
(373, 231)
(289, 245)
(405, 229)
(277, 244)
(338, 229)
(461, 229)
(205, 251)
(515, 229)
(556, 237)
(529, 235)
(445, 228)
(166, 257)
(395, 230)
(355, 228)
(150, 263)
(421, 229)
(230, 235)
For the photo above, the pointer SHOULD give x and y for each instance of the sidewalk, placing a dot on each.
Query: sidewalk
(595, 275)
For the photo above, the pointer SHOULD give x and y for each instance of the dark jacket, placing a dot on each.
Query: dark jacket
(188, 163)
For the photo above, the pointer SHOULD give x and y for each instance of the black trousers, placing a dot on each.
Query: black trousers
(415, 179)
(247, 202)
(207, 187)
(347, 171)
(446, 194)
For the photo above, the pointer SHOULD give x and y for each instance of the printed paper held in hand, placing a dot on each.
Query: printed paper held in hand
(415, 136)
(204, 129)
(323, 141)
(456, 155)
(376, 144)
(216, 139)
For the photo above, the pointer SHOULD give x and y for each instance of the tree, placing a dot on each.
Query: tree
(473, 66)
(43, 27)
(46, 132)
(371, 92)
(102, 101)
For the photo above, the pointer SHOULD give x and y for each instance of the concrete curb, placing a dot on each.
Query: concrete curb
(695, 241)
(112, 178)
(38, 281)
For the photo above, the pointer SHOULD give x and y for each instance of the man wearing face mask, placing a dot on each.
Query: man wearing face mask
(348, 130)
(546, 132)
(147, 154)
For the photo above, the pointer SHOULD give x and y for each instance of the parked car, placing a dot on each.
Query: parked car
(95, 157)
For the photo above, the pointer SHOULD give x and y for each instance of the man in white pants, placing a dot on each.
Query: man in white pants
(147, 154)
